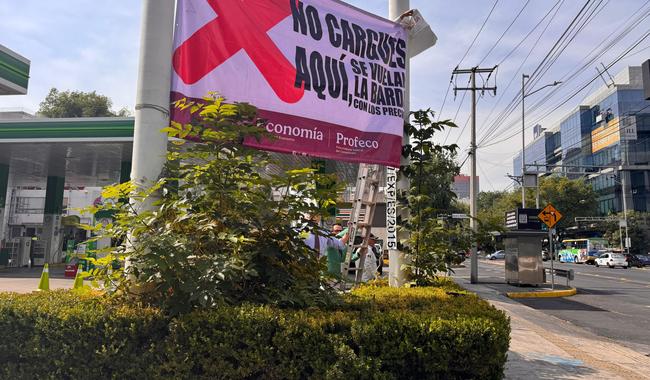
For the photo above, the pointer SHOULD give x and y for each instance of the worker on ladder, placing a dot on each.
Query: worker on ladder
(372, 263)
(333, 246)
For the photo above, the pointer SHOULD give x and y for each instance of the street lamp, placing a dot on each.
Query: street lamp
(523, 139)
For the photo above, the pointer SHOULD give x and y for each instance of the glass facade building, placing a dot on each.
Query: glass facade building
(541, 154)
(609, 131)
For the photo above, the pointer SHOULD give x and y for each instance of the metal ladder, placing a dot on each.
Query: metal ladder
(365, 199)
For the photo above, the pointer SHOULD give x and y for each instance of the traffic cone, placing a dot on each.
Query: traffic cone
(44, 283)
(78, 279)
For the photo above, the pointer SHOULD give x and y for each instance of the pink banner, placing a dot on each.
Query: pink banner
(327, 77)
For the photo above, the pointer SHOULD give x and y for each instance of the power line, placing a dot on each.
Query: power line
(462, 100)
(465, 55)
(589, 59)
(550, 56)
(610, 133)
(535, 44)
(504, 32)
(486, 176)
(444, 101)
(605, 47)
(530, 32)
(464, 127)
(479, 33)
(626, 27)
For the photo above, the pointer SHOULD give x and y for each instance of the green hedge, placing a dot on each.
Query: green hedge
(379, 333)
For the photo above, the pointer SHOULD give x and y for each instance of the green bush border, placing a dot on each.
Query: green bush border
(439, 332)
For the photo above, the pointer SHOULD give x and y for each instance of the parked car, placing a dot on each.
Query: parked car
(498, 255)
(645, 259)
(633, 261)
(612, 260)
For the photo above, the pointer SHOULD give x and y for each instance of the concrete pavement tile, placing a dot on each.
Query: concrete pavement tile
(532, 356)
(546, 347)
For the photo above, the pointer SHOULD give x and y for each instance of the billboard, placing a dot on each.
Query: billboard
(328, 78)
(605, 135)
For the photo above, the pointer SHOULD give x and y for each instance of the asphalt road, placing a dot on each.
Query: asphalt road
(614, 303)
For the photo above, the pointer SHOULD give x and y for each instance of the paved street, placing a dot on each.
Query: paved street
(25, 280)
(613, 303)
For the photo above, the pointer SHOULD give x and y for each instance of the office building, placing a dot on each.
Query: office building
(605, 137)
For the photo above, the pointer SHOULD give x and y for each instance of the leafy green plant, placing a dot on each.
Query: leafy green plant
(433, 240)
(224, 229)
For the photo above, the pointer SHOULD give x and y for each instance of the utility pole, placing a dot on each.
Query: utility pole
(473, 188)
(624, 195)
(523, 141)
(152, 98)
(396, 277)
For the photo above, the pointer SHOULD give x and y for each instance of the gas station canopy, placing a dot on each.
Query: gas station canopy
(14, 72)
(85, 151)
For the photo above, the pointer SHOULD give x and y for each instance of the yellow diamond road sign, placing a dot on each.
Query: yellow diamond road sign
(550, 216)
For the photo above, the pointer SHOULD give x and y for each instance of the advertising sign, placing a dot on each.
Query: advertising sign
(523, 219)
(391, 208)
(328, 78)
(609, 134)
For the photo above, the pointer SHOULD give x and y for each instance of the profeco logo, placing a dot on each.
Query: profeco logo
(356, 142)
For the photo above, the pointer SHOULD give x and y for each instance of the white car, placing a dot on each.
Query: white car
(498, 255)
(611, 260)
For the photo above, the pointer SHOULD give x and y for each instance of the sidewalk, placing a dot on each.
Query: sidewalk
(546, 347)
(25, 280)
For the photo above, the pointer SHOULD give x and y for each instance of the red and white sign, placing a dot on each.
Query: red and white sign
(329, 78)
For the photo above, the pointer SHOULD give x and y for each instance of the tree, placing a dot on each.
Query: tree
(59, 104)
(223, 231)
(638, 231)
(572, 198)
(432, 242)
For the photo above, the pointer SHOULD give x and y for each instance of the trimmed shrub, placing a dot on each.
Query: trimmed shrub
(440, 332)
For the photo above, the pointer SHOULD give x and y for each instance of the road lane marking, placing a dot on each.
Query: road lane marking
(611, 278)
(619, 313)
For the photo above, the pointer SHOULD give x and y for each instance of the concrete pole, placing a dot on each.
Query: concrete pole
(473, 188)
(523, 140)
(624, 145)
(152, 99)
(624, 195)
(620, 234)
(396, 275)
(4, 186)
(52, 232)
(551, 244)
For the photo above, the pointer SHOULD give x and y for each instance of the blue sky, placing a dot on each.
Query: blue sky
(93, 45)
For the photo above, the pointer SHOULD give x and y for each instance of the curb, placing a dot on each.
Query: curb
(546, 294)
